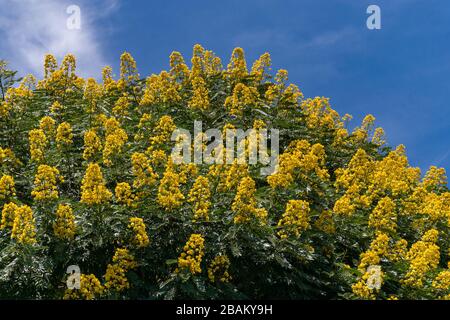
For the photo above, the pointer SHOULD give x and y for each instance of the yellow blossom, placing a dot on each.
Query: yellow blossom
(191, 257)
(93, 189)
(295, 219)
(64, 226)
(45, 183)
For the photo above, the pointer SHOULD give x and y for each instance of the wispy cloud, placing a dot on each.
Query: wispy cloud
(31, 28)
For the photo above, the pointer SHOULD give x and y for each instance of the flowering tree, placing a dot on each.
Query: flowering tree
(87, 178)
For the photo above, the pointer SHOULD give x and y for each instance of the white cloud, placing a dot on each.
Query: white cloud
(31, 28)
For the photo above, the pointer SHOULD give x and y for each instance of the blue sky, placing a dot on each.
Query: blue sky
(400, 74)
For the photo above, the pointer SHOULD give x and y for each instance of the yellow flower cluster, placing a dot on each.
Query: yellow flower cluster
(241, 97)
(179, 71)
(121, 106)
(163, 131)
(237, 68)
(64, 225)
(56, 108)
(295, 219)
(288, 95)
(244, 205)
(92, 93)
(378, 248)
(92, 144)
(384, 216)
(442, 280)
(128, 70)
(364, 180)
(218, 269)
(48, 125)
(90, 289)
(297, 162)
(204, 62)
(64, 135)
(38, 144)
(229, 175)
(45, 183)
(124, 194)
(200, 95)
(7, 187)
(319, 113)
(140, 237)
(8, 159)
(169, 194)
(109, 84)
(423, 256)
(143, 127)
(200, 197)
(369, 284)
(435, 178)
(93, 189)
(325, 222)
(8, 215)
(116, 138)
(24, 229)
(115, 277)
(142, 170)
(160, 89)
(261, 68)
(191, 257)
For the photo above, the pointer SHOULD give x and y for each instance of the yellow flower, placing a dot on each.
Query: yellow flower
(90, 289)
(124, 259)
(423, 256)
(169, 194)
(56, 107)
(199, 196)
(179, 71)
(384, 217)
(24, 230)
(38, 144)
(191, 257)
(64, 135)
(435, 178)
(92, 144)
(142, 170)
(7, 187)
(93, 189)
(244, 204)
(121, 106)
(45, 183)
(295, 219)
(116, 279)
(200, 95)
(140, 237)
(442, 280)
(47, 124)
(241, 97)
(261, 68)
(92, 93)
(237, 68)
(128, 70)
(218, 269)
(160, 89)
(116, 138)
(163, 132)
(299, 160)
(64, 226)
(124, 195)
(8, 215)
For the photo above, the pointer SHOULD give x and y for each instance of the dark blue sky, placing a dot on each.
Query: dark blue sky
(400, 74)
